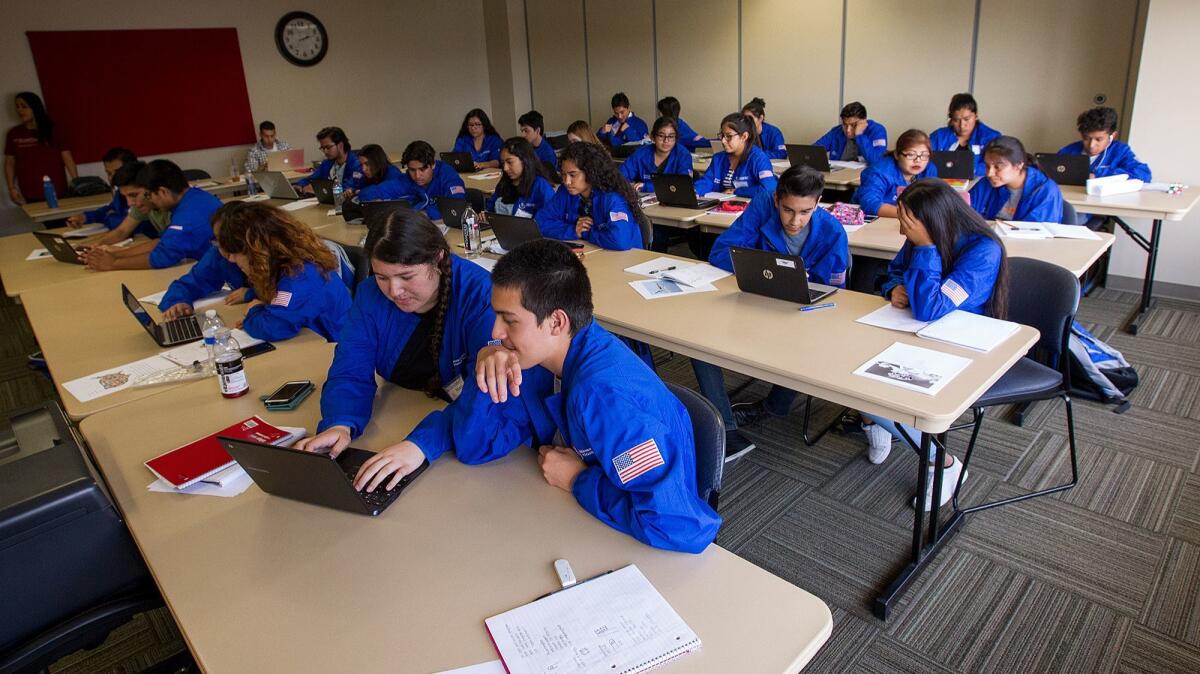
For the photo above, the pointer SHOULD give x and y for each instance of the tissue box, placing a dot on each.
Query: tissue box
(1110, 185)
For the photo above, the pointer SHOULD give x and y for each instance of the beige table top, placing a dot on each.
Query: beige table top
(68, 206)
(20, 275)
(478, 181)
(83, 327)
(841, 178)
(258, 583)
(681, 218)
(1153, 205)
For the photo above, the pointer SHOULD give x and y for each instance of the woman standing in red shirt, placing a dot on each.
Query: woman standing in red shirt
(32, 150)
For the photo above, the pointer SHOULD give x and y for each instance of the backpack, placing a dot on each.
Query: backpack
(847, 214)
(1098, 371)
(87, 186)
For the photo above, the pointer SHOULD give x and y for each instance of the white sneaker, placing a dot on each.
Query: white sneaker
(880, 443)
(949, 483)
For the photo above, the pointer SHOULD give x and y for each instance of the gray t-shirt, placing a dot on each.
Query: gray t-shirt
(850, 153)
(796, 241)
(1010, 207)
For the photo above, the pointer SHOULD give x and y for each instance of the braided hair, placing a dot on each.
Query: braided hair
(602, 174)
(409, 237)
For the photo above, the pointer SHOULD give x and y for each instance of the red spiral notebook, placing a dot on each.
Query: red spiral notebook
(186, 465)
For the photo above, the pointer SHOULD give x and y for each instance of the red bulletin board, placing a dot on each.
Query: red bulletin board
(153, 91)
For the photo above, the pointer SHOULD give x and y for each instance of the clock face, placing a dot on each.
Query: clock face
(301, 38)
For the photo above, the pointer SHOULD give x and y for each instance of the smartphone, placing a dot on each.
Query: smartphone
(573, 245)
(288, 392)
(257, 349)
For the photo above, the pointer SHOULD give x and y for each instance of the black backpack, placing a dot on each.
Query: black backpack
(87, 186)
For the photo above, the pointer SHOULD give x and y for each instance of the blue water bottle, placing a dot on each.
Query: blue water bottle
(49, 193)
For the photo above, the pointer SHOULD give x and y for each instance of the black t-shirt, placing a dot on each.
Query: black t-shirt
(416, 365)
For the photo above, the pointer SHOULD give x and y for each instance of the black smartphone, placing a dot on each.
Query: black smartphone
(288, 392)
(573, 245)
(257, 349)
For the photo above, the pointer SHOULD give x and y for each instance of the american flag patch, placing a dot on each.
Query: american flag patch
(882, 142)
(633, 462)
(955, 292)
(457, 189)
(282, 299)
(613, 216)
(765, 173)
(837, 278)
(781, 146)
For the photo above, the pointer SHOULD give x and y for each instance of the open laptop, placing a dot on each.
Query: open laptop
(315, 478)
(957, 165)
(285, 160)
(782, 277)
(275, 185)
(461, 161)
(167, 333)
(813, 156)
(59, 247)
(374, 211)
(678, 190)
(625, 150)
(452, 210)
(1065, 169)
(322, 190)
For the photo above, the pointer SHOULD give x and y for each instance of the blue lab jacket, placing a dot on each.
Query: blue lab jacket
(613, 224)
(945, 140)
(872, 144)
(689, 138)
(772, 141)
(352, 175)
(190, 233)
(445, 183)
(826, 251)
(206, 277)
(1041, 201)
(636, 132)
(755, 172)
(612, 409)
(639, 167)
(311, 299)
(490, 148)
(375, 333)
(111, 215)
(528, 206)
(545, 152)
(1116, 158)
(391, 187)
(933, 293)
(881, 184)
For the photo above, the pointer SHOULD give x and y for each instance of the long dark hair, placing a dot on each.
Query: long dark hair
(947, 217)
(741, 124)
(531, 168)
(409, 237)
(45, 125)
(602, 174)
(1011, 150)
(378, 159)
(488, 129)
(273, 242)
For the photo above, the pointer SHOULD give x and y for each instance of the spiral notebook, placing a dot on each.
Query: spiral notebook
(616, 623)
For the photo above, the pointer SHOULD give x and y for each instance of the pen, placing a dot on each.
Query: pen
(601, 575)
(827, 305)
(659, 271)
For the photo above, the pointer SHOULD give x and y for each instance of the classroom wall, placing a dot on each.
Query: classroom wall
(387, 60)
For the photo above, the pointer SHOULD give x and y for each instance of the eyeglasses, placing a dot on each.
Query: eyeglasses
(474, 125)
(915, 156)
(327, 148)
(665, 136)
(728, 136)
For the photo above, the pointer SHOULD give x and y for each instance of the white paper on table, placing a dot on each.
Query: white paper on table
(1023, 230)
(102, 383)
(488, 263)
(83, 232)
(489, 667)
(300, 203)
(652, 268)
(913, 368)
(653, 289)
(234, 487)
(695, 275)
(38, 254)
(206, 183)
(719, 196)
(781, 164)
(257, 197)
(191, 352)
(1071, 232)
(850, 229)
(972, 331)
(891, 318)
(838, 163)
(488, 175)
(725, 217)
(218, 297)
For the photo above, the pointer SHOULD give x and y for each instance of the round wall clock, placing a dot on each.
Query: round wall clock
(301, 38)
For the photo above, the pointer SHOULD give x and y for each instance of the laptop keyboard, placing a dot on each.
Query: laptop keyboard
(380, 496)
(182, 330)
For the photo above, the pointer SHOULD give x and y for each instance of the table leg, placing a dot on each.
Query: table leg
(1151, 247)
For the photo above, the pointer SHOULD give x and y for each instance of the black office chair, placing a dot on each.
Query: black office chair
(477, 199)
(1044, 296)
(708, 431)
(362, 266)
(647, 231)
(1070, 216)
(196, 174)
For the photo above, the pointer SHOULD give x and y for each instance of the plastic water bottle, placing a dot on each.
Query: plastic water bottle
(212, 323)
(470, 232)
(234, 173)
(49, 193)
(251, 188)
(337, 196)
(231, 369)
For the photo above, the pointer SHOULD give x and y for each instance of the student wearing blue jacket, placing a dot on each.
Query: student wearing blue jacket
(426, 178)
(856, 138)
(212, 273)
(964, 132)
(340, 165)
(614, 436)
(381, 179)
(418, 323)
(524, 187)
(624, 126)
(114, 213)
(594, 203)
(533, 129)
(886, 178)
(951, 260)
(788, 222)
(768, 136)
(688, 137)
(1108, 156)
(297, 280)
(478, 138)
(665, 155)
(1014, 187)
(742, 168)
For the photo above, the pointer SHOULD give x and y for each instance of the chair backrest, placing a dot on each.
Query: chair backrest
(1044, 296)
(477, 199)
(1070, 216)
(362, 266)
(196, 174)
(708, 432)
(647, 230)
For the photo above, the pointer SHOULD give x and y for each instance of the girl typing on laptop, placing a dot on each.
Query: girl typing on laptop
(524, 187)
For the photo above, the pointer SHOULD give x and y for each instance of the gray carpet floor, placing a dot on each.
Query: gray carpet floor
(1102, 578)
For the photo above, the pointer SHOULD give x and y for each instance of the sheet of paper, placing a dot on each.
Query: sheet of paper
(196, 351)
(300, 203)
(198, 306)
(850, 229)
(891, 318)
(653, 289)
(263, 196)
(719, 196)
(838, 163)
(487, 263)
(84, 232)
(695, 275)
(913, 368)
(38, 254)
(487, 175)
(105, 382)
(234, 487)
(652, 268)
(1014, 229)
(489, 667)
(972, 331)
(1072, 232)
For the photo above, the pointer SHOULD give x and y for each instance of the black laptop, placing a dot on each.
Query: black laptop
(452, 210)
(678, 190)
(315, 478)
(168, 333)
(512, 231)
(957, 165)
(323, 190)
(813, 156)
(461, 161)
(1065, 169)
(782, 277)
(625, 150)
(59, 247)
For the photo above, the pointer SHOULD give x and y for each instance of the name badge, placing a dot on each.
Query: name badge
(741, 182)
(454, 388)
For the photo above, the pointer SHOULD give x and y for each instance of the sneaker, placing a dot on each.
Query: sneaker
(880, 443)
(949, 482)
(746, 414)
(736, 445)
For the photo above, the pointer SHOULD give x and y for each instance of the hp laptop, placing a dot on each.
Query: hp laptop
(512, 231)
(958, 165)
(677, 190)
(275, 185)
(323, 190)
(625, 150)
(461, 161)
(167, 333)
(814, 156)
(59, 247)
(1065, 169)
(285, 160)
(782, 277)
(452, 211)
(315, 478)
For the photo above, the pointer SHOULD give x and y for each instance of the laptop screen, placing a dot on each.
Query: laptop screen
(135, 307)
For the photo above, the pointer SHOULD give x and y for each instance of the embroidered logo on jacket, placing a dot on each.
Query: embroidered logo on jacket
(637, 460)
(282, 299)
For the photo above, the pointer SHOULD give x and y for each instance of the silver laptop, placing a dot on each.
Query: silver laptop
(275, 185)
(285, 160)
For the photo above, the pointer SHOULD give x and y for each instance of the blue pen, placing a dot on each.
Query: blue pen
(827, 305)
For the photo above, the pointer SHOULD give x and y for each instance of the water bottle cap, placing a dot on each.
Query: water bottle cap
(211, 313)
(45, 179)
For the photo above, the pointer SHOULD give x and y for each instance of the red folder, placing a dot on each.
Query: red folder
(186, 465)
